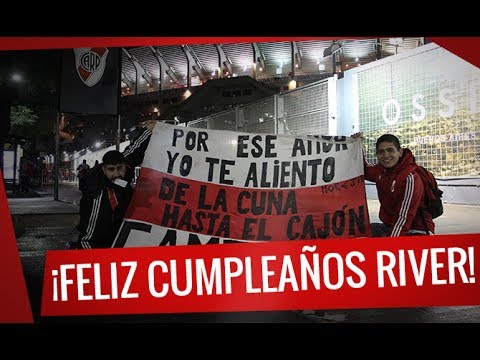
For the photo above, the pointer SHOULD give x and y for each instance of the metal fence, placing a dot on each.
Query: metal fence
(303, 111)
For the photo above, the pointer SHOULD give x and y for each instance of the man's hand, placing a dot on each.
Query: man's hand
(150, 124)
(357, 135)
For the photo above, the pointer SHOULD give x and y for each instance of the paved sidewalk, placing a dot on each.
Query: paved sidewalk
(456, 218)
(40, 206)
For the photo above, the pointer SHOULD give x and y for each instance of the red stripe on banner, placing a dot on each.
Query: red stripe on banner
(329, 211)
(24, 43)
(14, 301)
(464, 47)
(423, 271)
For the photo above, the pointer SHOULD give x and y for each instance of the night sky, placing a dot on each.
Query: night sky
(39, 88)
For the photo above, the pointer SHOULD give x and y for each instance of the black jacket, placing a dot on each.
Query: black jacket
(99, 222)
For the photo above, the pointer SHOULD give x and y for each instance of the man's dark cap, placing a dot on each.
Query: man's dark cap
(113, 157)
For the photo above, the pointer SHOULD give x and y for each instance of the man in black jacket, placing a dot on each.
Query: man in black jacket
(107, 194)
(106, 198)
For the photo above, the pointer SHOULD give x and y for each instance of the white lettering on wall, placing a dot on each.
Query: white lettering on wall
(418, 106)
(447, 106)
(446, 101)
(392, 117)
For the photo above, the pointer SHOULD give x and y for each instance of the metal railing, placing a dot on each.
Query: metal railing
(303, 111)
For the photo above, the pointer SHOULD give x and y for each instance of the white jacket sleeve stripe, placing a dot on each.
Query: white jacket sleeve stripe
(402, 218)
(92, 221)
(137, 142)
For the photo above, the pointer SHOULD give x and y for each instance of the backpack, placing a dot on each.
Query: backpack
(433, 195)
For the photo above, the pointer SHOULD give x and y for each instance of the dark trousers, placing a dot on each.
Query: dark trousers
(379, 230)
(382, 230)
(24, 183)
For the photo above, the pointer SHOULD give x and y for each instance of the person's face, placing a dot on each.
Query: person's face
(114, 171)
(388, 155)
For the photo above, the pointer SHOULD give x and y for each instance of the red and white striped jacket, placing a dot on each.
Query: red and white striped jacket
(401, 195)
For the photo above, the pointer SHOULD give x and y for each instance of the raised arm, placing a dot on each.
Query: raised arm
(371, 171)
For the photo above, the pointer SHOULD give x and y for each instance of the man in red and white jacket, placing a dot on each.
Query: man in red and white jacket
(400, 190)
